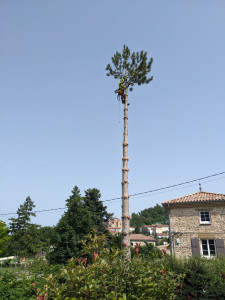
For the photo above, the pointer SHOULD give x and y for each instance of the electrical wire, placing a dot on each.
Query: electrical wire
(133, 195)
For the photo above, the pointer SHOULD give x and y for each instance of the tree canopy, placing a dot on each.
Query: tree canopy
(24, 236)
(82, 215)
(71, 228)
(99, 214)
(133, 67)
(4, 236)
(148, 216)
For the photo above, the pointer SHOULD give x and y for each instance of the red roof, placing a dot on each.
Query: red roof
(141, 237)
(197, 197)
(111, 231)
(162, 234)
(157, 225)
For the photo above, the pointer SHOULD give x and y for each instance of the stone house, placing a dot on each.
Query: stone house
(197, 224)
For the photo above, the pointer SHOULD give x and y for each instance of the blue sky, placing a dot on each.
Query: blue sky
(59, 116)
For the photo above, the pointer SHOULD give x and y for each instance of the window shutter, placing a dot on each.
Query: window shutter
(195, 247)
(220, 250)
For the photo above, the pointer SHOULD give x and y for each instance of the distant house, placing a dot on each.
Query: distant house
(160, 228)
(148, 227)
(197, 224)
(141, 239)
(114, 225)
(114, 230)
(132, 228)
(156, 229)
(163, 235)
(115, 222)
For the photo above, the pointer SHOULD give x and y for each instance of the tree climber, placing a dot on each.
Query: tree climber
(121, 89)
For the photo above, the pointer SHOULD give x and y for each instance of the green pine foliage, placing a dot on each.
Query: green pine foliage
(24, 234)
(4, 236)
(83, 214)
(134, 67)
(99, 214)
(148, 216)
(71, 228)
(46, 236)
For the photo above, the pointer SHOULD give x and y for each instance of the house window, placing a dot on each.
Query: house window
(208, 248)
(205, 217)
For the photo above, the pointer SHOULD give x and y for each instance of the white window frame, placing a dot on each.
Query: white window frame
(200, 217)
(208, 248)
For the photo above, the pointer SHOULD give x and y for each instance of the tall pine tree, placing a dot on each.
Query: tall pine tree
(131, 69)
(24, 236)
(99, 214)
(70, 230)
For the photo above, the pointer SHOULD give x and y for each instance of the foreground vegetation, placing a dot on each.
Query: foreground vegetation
(90, 266)
(100, 273)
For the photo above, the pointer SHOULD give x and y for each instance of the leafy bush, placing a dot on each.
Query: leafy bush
(40, 267)
(203, 278)
(14, 288)
(147, 252)
(107, 276)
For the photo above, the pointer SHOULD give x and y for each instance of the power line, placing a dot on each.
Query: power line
(179, 188)
(174, 185)
(168, 187)
(133, 195)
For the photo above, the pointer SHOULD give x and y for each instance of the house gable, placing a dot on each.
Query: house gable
(197, 224)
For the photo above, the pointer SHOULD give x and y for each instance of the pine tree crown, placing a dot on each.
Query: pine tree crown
(134, 68)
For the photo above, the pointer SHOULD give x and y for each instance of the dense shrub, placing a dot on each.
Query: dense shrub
(14, 288)
(147, 252)
(102, 274)
(107, 276)
(111, 278)
(204, 279)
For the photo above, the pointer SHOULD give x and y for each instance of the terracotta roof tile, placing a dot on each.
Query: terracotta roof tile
(162, 233)
(196, 197)
(141, 237)
(158, 225)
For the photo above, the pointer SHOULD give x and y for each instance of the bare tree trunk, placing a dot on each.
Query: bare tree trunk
(125, 193)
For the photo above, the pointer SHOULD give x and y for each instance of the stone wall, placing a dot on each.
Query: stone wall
(185, 221)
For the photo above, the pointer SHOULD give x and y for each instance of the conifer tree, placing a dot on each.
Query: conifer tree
(99, 214)
(133, 68)
(70, 230)
(23, 233)
(4, 236)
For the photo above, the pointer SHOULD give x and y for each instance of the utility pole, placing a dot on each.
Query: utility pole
(130, 69)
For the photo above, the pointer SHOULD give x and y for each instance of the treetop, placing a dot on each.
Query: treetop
(133, 67)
